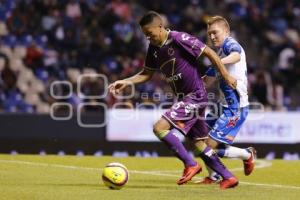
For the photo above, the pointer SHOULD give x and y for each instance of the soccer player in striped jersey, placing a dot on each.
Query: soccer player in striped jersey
(234, 109)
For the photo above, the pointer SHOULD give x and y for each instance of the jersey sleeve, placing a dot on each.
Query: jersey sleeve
(191, 44)
(231, 46)
(211, 71)
(150, 61)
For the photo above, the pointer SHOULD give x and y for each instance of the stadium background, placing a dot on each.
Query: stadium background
(46, 45)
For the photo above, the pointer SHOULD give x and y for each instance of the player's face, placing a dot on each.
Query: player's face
(153, 33)
(217, 33)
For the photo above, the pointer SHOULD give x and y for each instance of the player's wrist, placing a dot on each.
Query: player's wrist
(127, 81)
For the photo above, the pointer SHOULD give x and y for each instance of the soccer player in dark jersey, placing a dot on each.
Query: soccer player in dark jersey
(176, 55)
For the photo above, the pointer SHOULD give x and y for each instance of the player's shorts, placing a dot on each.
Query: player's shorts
(225, 128)
(188, 116)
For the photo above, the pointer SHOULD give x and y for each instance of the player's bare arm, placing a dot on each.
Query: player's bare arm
(232, 58)
(214, 58)
(141, 77)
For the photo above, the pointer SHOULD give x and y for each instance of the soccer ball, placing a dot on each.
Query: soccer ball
(115, 175)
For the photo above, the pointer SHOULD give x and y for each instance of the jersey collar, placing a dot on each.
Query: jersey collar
(167, 40)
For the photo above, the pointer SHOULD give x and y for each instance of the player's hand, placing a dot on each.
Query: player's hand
(232, 82)
(118, 86)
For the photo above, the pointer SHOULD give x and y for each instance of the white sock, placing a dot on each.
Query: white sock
(235, 152)
(212, 174)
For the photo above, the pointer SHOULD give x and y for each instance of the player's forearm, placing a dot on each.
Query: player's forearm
(232, 58)
(214, 58)
(140, 77)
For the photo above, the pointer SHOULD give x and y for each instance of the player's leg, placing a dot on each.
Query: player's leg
(198, 134)
(212, 160)
(223, 149)
(183, 116)
(213, 177)
(229, 151)
(247, 155)
(164, 131)
(222, 136)
(229, 129)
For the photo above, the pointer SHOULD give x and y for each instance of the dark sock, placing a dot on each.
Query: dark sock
(213, 161)
(178, 148)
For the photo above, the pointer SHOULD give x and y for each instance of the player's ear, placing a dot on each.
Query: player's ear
(227, 30)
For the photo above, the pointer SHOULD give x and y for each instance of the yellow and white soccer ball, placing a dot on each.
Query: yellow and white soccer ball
(115, 175)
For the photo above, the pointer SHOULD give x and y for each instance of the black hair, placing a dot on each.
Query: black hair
(148, 18)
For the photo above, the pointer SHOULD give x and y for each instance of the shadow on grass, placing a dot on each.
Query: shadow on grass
(133, 184)
(100, 186)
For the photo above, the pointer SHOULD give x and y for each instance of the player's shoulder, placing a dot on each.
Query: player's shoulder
(230, 44)
(174, 33)
(178, 35)
(230, 41)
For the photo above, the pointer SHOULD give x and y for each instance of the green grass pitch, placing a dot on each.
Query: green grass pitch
(71, 177)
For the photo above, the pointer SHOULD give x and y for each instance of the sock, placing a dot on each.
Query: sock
(234, 152)
(212, 174)
(212, 161)
(175, 145)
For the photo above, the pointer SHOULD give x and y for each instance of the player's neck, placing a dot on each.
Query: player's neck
(222, 42)
(225, 38)
(165, 37)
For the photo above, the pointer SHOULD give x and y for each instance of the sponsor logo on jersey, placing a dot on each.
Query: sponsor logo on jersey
(174, 78)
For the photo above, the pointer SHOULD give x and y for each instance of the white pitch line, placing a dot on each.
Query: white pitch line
(261, 164)
(49, 165)
(155, 173)
(271, 185)
(258, 165)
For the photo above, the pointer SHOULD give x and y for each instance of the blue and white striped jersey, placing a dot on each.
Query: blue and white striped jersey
(233, 98)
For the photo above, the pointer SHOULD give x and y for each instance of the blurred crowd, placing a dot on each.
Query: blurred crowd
(67, 51)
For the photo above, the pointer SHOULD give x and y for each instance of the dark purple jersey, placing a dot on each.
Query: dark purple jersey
(177, 60)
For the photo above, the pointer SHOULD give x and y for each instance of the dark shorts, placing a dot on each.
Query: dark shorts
(188, 116)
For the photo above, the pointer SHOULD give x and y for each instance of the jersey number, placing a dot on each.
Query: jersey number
(185, 37)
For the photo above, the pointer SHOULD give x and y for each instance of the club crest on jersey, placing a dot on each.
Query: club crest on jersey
(171, 51)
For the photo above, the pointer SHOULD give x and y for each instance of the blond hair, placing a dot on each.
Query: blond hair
(218, 19)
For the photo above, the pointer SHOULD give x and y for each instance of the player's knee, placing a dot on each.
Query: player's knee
(159, 130)
(156, 129)
(212, 143)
